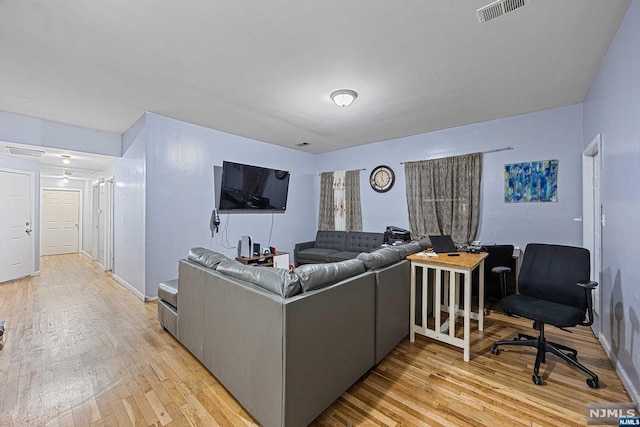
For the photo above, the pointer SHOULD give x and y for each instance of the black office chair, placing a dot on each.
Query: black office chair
(554, 288)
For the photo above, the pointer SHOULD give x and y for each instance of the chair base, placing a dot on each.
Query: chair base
(568, 354)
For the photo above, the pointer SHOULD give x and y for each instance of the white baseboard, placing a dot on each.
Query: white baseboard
(628, 385)
(129, 286)
(147, 299)
(36, 273)
(86, 254)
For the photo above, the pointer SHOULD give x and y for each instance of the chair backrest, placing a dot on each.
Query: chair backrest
(551, 272)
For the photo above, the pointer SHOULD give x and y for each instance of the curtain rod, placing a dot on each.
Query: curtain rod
(482, 152)
(363, 169)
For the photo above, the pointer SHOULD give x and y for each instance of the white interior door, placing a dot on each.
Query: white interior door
(16, 227)
(60, 222)
(593, 218)
(95, 222)
(108, 222)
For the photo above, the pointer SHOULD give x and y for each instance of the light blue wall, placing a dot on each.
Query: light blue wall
(612, 108)
(129, 206)
(180, 195)
(9, 162)
(33, 131)
(550, 134)
(50, 182)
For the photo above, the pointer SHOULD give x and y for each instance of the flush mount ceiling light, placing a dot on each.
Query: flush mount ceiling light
(66, 159)
(343, 97)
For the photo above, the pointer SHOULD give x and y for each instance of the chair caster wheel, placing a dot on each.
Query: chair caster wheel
(593, 382)
(517, 339)
(537, 379)
(494, 350)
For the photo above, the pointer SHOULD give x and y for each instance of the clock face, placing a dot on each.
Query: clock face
(382, 179)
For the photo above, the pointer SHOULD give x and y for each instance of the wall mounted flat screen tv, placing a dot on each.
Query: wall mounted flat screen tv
(253, 188)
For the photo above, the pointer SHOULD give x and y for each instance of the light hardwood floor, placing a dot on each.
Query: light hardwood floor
(82, 350)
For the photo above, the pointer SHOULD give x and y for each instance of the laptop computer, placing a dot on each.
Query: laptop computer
(443, 244)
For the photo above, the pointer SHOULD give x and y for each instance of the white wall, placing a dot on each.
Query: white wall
(29, 166)
(45, 133)
(550, 134)
(180, 195)
(50, 182)
(612, 108)
(129, 210)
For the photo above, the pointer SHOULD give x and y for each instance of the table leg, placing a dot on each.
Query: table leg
(412, 316)
(454, 301)
(438, 296)
(481, 298)
(467, 315)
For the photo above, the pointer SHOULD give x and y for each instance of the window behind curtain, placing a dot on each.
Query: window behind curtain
(443, 197)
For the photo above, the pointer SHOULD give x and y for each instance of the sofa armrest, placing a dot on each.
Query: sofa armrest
(301, 247)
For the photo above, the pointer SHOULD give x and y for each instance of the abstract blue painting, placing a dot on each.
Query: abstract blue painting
(531, 182)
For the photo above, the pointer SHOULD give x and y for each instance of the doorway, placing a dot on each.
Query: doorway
(60, 222)
(17, 257)
(593, 218)
(102, 219)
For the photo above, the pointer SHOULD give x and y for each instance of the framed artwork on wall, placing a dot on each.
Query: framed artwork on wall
(531, 182)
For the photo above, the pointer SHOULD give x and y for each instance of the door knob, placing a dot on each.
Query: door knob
(28, 231)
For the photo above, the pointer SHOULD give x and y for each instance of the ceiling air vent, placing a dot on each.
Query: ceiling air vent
(499, 8)
(25, 152)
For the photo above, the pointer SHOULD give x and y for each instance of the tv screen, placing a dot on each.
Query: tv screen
(246, 187)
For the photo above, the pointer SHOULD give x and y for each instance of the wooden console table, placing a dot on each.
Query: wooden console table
(279, 259)
(452, 267)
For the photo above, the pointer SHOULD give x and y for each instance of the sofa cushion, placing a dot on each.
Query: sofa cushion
(316, 254)
(380, 258)
(408, 249)
(277, 280)
(331, 240)
(359, 241)
(168, 292)
(316, 276)
(205, 257)
(343, 256)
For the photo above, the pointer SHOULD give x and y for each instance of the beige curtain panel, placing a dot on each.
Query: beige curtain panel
(443, 197)
(340, 198)
(326, 218)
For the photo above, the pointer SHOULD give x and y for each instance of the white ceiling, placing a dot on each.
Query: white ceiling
(265, 69)
(81, 165)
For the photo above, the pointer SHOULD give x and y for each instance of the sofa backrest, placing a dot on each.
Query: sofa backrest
(331, 240)
(379, 258)
(359, 241)
(277, 280)
(316, 276)
(206, 257)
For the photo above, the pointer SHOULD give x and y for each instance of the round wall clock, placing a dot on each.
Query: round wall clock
(382, 178)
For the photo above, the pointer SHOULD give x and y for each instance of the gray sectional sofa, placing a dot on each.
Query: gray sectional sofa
(332, 246)
(286, 344)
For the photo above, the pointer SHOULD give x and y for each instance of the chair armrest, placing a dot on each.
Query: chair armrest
(588, 286)
(301, 247)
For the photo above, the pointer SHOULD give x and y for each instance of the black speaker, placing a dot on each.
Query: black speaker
(256, 249)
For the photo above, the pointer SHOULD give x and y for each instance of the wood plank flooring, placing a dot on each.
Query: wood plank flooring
(81, 350)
